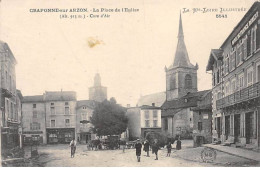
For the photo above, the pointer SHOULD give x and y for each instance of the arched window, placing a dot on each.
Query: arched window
(188, 81)
(173, 83)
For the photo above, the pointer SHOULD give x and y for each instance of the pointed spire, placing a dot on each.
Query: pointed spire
(181, 55)
(97, 80)
(180, 34)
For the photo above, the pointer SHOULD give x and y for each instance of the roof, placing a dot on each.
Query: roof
(149, 107)
(189, 100)
(181, 55)
(19, 94)
(157, 98)
(88, 103)
(215, 54)
(29, 99)
(249, 12)
(4, 48)
(60, 95)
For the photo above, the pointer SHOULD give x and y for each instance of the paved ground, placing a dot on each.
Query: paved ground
(59, 155)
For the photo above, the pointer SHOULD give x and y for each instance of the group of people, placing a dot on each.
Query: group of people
(138, 146)
(155, 147)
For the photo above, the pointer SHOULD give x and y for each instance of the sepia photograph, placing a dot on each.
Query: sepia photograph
(140, 83)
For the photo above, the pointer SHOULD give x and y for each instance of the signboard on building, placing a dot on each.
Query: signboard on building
(245, 28)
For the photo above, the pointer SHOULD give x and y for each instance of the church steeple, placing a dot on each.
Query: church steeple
(181, 55)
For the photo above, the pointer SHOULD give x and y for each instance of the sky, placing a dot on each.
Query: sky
(133, 49)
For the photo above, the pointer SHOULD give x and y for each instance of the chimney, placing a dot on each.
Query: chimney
(153, 104)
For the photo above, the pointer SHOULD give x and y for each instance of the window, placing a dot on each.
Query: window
(245, 47)
(84, 116)
(147, 121)
(34, 114)
(257, 37)
(35, 126)
(84, 107)
(67, 110)
(239, 54)
(12, 110)
(166, 123)
(199, 126)
(227, 89)
(52, 123)
(250, 76)
(233, 59)
(188, 81)
(34, 105)
(53, 110)
(67, 122)
(249, 43)
(227, 64)
(155, 114)
(66, 103)
(219, 95)
(233, 85)
(254, 38)
(172, 83)
(241, 80)
(155, 118)
(52, 104)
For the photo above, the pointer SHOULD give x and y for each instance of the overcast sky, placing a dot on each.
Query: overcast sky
(54, 54)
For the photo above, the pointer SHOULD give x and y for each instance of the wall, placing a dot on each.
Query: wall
(134, 122)
(27, 110)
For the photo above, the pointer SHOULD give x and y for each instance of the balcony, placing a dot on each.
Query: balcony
(245, 94)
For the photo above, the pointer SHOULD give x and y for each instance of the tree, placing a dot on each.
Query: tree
(109, 119)
(162, 139)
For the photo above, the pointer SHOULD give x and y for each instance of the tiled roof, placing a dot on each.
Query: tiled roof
(149, 107)
(88, 103)
(60, 96)
(29, 99)
(157, 98)
(215, 54)
(189, 100)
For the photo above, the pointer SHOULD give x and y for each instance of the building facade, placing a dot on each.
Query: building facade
(143, 120)
(236, 98)
(33, 121)
(60, 116)
(50, 118)
(97, 92)
(84, 111)
(202, 120)
(10, 109)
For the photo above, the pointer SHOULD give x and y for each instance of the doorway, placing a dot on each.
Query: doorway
(218, 127)
(227, 126)
(249, 126)
(236, 126)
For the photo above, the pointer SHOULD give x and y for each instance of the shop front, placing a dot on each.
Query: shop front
(60, 135)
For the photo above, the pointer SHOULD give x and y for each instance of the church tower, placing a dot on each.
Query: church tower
(181, 76)
(97, 92)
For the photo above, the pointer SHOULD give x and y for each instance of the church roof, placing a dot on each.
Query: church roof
(189, 100)
(181, 55)
(157, 98)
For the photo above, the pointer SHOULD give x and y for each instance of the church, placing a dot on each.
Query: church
(182, 94)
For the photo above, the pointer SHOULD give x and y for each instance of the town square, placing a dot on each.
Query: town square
(152, 84)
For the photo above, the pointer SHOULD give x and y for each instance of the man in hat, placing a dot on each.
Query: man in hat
(138, 147)
(147, 147)
(156, 148)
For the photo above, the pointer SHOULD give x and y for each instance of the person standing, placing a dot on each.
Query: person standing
(156, 148)
(169, 149)
(138, 147)
(73, 144)
(147, 147)
(178, 145)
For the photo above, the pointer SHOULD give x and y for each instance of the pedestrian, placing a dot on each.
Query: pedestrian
(169, 149)
(123, 144)
(73, 144)
(138, 147)
(156, 148)
(178, 145)
(147, 148)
